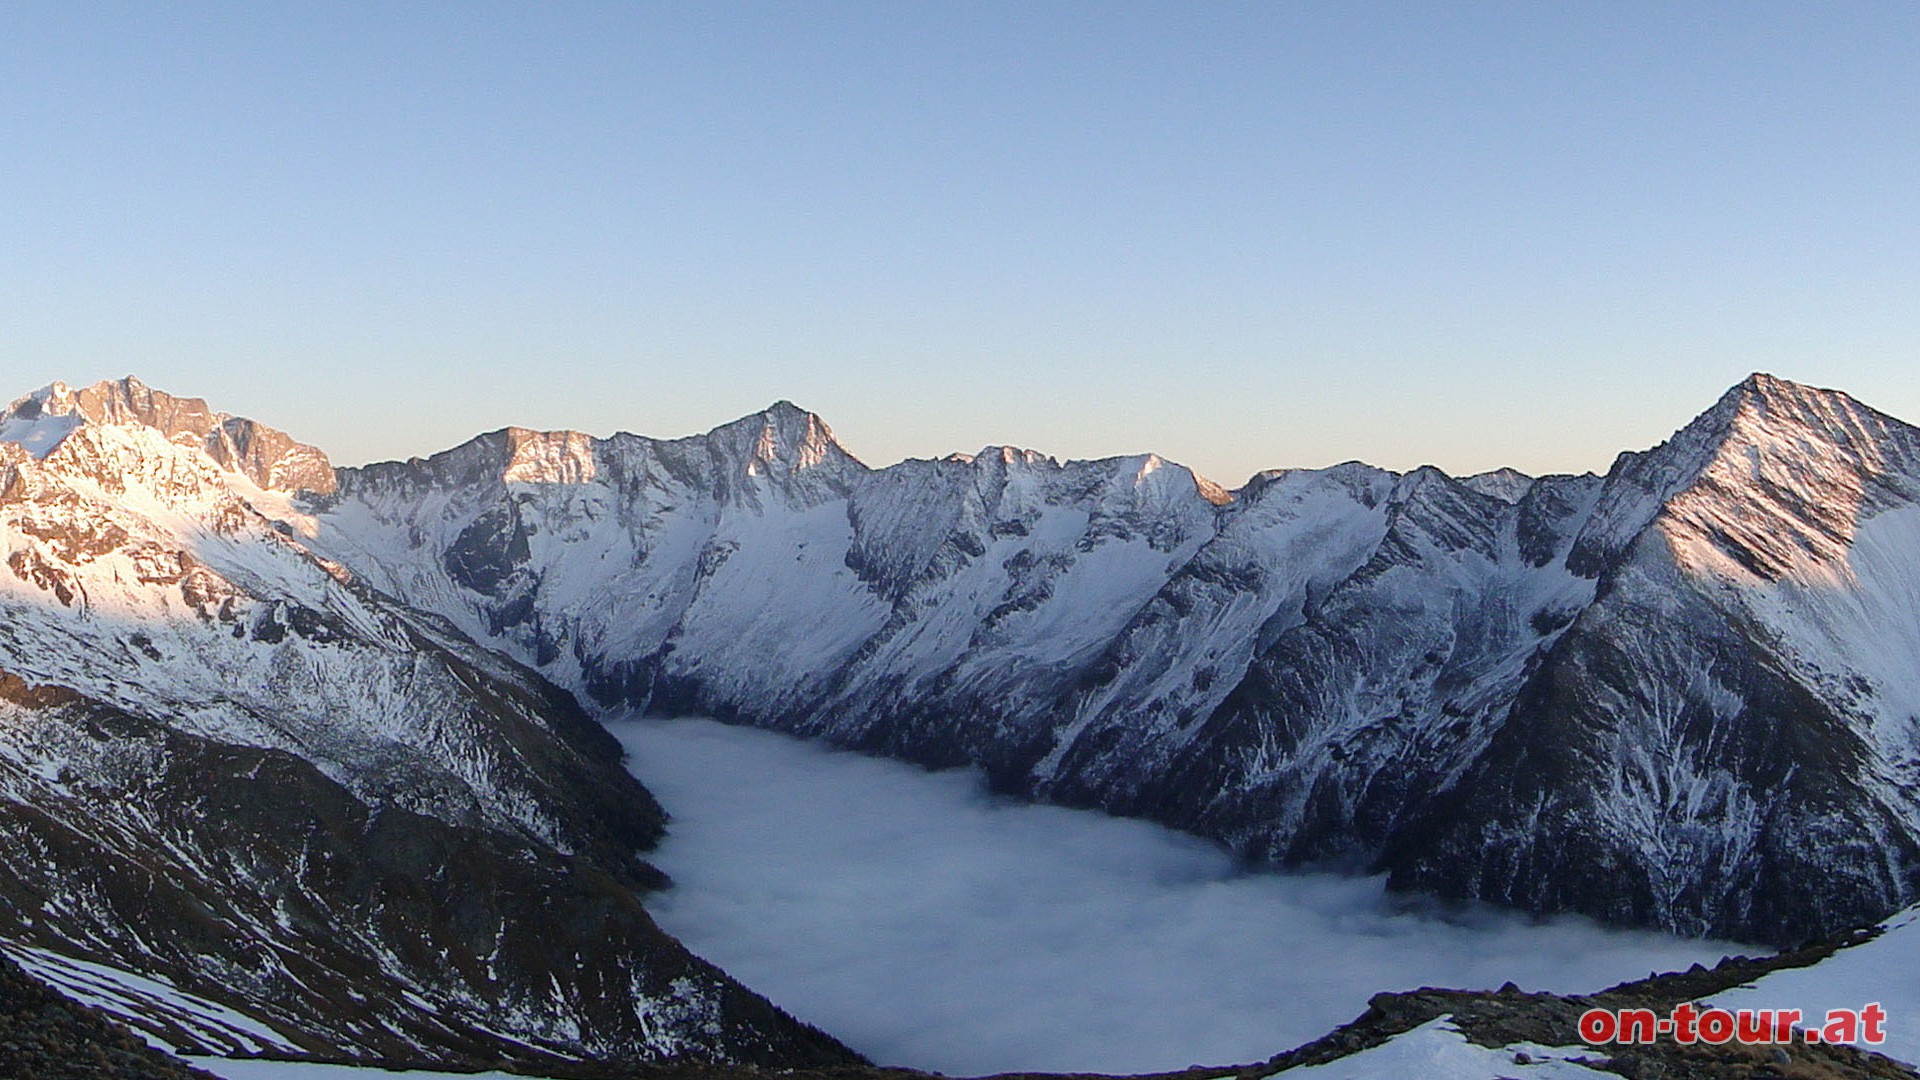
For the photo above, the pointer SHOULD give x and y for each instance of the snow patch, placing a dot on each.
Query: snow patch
(1436, 1050)
(1881, 970)
(156, 1011)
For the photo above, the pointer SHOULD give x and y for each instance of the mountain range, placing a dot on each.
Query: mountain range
(1679, 695)
(318, 744)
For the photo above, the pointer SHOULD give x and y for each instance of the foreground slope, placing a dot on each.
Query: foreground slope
(1660, 696)
(1483, 1035)
(227, 765)
(1512, 1033)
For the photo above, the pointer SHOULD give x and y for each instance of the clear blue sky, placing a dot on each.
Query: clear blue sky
(1241, 235)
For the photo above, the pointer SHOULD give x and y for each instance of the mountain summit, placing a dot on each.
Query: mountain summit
(269, 458)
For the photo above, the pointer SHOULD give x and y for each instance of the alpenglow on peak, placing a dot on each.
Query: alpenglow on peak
(41, 421)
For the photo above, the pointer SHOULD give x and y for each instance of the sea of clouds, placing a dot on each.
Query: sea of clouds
(929, 923)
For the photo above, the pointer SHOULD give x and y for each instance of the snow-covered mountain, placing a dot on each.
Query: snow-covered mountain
(252, 758)
(1680, 695)
(233, 774)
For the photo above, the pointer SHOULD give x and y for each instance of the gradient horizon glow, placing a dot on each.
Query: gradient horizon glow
(1242, 236)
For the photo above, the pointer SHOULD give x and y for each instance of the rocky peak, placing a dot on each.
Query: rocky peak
(1764, 408)
(1765, 438)
(270, 458)
(782, 445)
(1789, 474)
(1507, 485)
(1779, 413)
(1171, 480)
(549, 457)
(1004, 459)
(129, 400)
(781, 439)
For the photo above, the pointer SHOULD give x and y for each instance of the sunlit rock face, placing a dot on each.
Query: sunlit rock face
(1681, 694)
(229, 765)
(270, 459)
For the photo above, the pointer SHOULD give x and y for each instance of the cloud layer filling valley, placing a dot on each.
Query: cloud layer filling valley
(931, 924)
